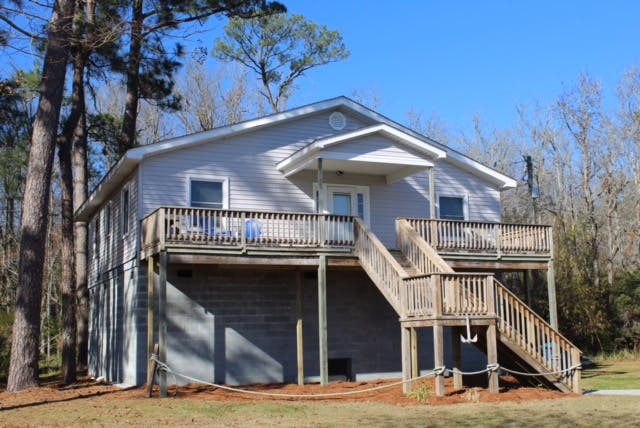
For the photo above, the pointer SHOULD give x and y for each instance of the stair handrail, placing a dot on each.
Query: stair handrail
(511, 294)
(386, 272)
(537, 337)
(426, 258)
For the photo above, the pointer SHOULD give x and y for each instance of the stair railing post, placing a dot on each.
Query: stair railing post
(577, 373)
(436, 281)
(490, 286)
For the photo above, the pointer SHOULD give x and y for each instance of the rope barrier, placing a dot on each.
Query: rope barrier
(437, 371)
(164, 367)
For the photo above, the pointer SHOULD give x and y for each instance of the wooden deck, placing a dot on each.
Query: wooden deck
(426, 292)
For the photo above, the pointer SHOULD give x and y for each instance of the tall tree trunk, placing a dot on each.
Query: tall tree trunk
(67, 286)
(73, 130)
(128, 131)
(80, 193)
(23, 369)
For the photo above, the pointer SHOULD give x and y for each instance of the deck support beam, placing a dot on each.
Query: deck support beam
(162, 320)
(492, 357)
(151, 276)
(457, 358)
(415, 369)
(405, 345)
(551, 290)
(438, 357)
(299, 339)
(322, 320)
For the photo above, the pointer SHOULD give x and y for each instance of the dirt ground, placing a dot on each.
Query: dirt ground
(51, 391)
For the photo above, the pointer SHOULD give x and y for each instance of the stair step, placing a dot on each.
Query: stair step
(406, 264)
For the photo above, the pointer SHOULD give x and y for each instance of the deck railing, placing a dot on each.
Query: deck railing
(213, 227)
(449, 294)
(419, 253)
(530, 332)
(382, 268)
(482, 237)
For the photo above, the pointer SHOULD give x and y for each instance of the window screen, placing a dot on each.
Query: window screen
(451, 208)
(206, 194)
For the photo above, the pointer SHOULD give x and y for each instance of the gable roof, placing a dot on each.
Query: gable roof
(129, 161)
(308, 154)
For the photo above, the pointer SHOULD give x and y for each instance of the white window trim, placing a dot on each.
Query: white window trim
(465, 203)
(348, 188)
(213, 179)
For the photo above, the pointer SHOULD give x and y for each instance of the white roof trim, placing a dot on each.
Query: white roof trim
(300, 159)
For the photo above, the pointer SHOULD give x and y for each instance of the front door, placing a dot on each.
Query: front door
(348, 200)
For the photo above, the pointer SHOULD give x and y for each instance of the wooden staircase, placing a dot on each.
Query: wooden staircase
(420, 285)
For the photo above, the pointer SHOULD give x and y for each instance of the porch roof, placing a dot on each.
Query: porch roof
(359, 160)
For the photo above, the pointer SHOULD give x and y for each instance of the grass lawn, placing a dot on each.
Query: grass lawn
(612, 375)
(105, 411)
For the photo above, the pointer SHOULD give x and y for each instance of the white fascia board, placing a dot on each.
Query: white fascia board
(292, 162)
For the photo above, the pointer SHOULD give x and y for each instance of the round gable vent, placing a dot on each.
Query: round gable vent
(337, 121)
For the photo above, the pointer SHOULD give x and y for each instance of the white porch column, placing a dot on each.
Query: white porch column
(432, 193)
(321, 202)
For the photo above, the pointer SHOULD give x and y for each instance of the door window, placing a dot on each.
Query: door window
(341, 203)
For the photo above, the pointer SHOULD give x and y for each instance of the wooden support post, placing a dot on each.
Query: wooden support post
(150, 308)
(577, 374)
(528, 285)
(551, 290)
(415, 369)
(322, 319)
(457, 358)
(299, 342)
(492, 357)
(405, 345)
(151, 369)
(438, 357)
(162, 320)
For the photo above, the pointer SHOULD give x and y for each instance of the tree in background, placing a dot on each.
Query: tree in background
(279, 49)
(149, 65)
(23, 371)
(16, 118)
(214, 99)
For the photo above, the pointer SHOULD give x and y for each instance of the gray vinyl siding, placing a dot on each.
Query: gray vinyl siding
(248, 162)
(483, 199)
(115, 301)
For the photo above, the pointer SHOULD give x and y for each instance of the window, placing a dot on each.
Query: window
(209, 194)
(107, 220)
(96, 238)
(125, 211)
(452, 208)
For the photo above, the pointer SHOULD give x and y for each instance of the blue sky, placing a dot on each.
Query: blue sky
(459, 58)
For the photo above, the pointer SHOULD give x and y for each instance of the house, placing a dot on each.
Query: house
(324, 240)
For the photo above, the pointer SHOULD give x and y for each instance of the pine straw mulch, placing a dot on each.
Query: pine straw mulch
(52, 391)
